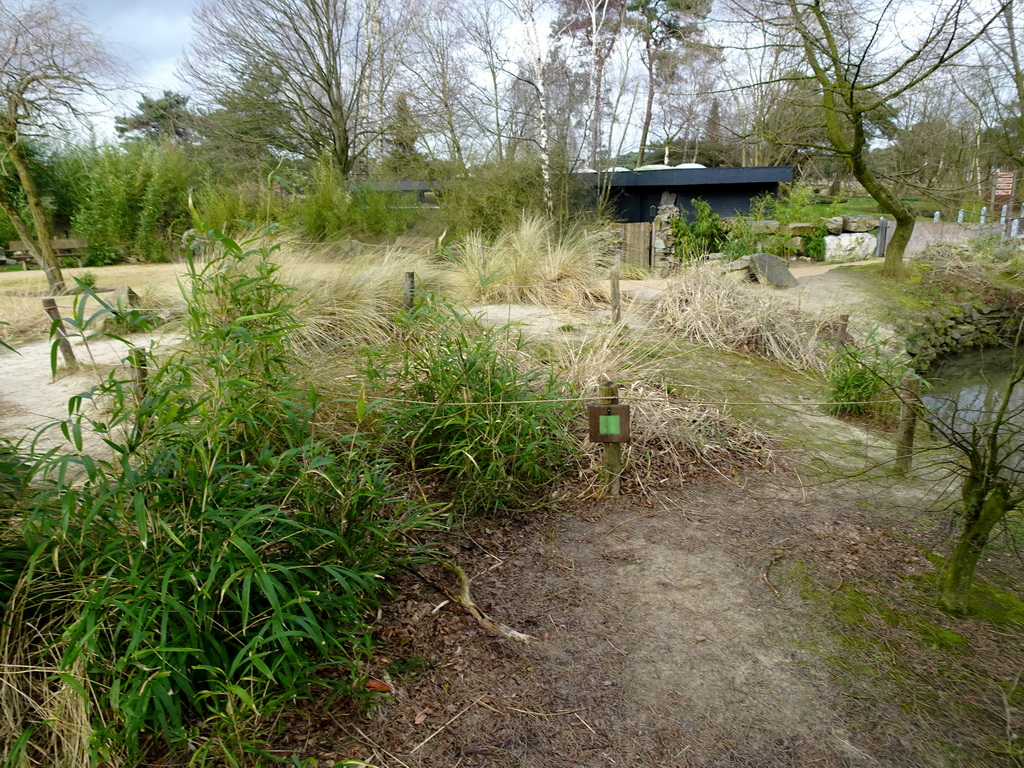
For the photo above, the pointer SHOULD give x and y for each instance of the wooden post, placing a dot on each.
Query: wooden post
(844, 330)
(909, 403)
(609, 394)
(140, 375)
(616, 302)
(50, 305)
(409, 290)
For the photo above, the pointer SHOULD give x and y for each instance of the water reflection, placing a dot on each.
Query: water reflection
(966, 392)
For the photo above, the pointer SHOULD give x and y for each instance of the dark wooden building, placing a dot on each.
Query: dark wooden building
(635, 195)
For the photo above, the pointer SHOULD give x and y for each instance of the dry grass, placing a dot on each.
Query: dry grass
(713, 309)
(351, 300)
(672, 437)
(21, 293)
(532, 264)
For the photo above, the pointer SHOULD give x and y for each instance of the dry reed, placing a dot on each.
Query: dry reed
(713, 309)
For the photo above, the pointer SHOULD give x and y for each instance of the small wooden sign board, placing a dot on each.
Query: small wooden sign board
(608, 423)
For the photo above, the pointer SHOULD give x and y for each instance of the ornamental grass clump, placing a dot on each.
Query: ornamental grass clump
(351, 300)
(220, 557)
(530, 264)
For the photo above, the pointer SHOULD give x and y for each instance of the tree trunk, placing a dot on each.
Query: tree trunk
(41, 246)
(649, 109)
(984, 508)
(891, 204)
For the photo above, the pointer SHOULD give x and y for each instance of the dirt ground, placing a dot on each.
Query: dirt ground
(684, 630)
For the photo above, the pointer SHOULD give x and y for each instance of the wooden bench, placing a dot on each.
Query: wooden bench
(76, 249)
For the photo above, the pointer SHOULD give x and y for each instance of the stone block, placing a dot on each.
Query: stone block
(798, 228)
(850, 246)
(834, 224)
(859, 223)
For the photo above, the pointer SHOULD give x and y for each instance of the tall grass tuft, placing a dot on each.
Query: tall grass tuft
(530, 264)
(219, 558)
(704, 306)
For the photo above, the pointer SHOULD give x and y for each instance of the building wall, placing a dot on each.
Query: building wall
(641, 204)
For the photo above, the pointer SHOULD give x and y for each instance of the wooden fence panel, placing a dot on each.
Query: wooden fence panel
(637, 248)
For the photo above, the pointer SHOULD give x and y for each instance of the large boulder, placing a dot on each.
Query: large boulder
(850, 246)
(859, 223)
(771, 270)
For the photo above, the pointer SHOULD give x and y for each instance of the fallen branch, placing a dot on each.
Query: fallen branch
(764, 573)
(464, 599)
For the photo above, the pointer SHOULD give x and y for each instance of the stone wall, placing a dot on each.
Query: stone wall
(956, 329)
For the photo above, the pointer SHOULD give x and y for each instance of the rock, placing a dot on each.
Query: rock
(798, 228)
(743, 262)
(850, 246)
(764, 226)
(834, 224)
(859, 223)
(771, 270)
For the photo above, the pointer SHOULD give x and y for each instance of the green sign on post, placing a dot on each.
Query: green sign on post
(609, 425)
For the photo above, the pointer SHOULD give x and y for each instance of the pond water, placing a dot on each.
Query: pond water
(966, 391)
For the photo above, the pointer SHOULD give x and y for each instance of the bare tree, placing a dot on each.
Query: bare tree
(327, 65)
(49, 60)
(862, 57)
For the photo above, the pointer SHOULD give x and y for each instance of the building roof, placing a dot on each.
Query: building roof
(690, 177)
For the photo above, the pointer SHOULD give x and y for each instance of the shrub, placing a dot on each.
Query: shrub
(703, 236)
(219, 557)
(494, 433)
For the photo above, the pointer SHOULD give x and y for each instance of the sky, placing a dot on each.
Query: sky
(148, 36)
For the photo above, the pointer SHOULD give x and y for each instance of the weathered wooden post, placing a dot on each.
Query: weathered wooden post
(409, 290)
(608, 424)
(843, 332)
(57, 326)
(909, 405)
(140, 375)
(883, 238)
(616, 301)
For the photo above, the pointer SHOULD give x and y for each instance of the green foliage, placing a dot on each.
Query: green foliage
(469, 413)
(330, 208)
(135, 199)
(492, 198)
(814, 244)
(696, 239)
(863, 381)
(218, 553)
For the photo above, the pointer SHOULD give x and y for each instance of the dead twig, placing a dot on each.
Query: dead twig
(456, 717)
(545, 714)
(485, 621)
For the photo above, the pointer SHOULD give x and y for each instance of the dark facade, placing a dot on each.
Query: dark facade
(635, 195)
